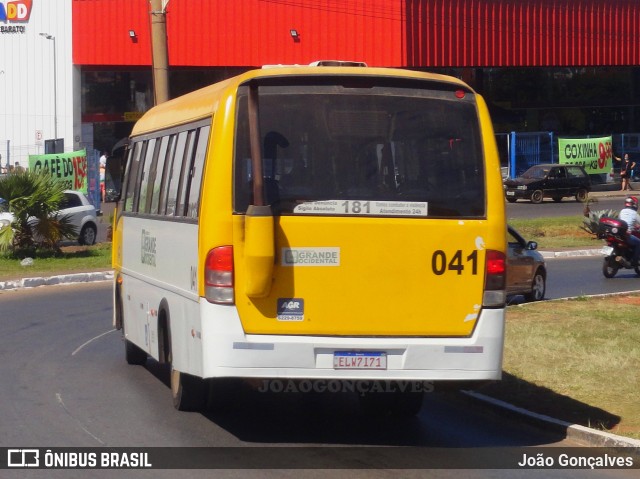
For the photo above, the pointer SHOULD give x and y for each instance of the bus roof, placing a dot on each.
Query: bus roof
(203, 103)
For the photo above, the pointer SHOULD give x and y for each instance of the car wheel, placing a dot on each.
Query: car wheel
(511, 200)
(538, 287)
(582, 195)
(536, 197)
(88, 235)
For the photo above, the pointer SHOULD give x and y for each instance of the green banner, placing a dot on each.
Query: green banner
(594, 154)
(71, 168)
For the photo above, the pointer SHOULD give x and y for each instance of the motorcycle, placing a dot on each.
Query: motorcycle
(618, 254)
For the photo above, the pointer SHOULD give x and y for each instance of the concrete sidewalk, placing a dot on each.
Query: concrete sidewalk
(58, 279)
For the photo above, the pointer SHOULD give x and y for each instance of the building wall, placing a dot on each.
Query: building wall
(27, 81)
(414, 33)
(241, 32)
(519, 33)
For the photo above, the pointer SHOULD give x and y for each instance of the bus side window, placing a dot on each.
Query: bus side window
(174, 175)
(192, 201)
(151, 166)
(139, 200)
(131, 175)
(185, 173)
(166, 175)
(157, 169)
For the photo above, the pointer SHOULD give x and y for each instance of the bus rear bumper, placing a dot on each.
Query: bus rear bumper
(228, 352)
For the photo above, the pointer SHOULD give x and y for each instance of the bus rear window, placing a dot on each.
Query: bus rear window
(372, 150)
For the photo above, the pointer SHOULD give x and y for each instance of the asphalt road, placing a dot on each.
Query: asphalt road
(567, 207)
(64, 383)
(570, 277)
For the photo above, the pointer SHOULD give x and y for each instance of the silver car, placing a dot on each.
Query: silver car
(81, 213)
(526, 269)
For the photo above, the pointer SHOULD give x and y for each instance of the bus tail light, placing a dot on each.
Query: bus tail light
(495, 279)
(218, 275)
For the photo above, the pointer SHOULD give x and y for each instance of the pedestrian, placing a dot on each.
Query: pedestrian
(626, 170)
(103, 190)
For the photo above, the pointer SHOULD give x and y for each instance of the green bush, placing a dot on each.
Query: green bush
(590, 223)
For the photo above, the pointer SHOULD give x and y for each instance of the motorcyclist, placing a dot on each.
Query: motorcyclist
(629, 214)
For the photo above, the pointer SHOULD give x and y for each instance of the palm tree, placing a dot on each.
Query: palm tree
(33, 199)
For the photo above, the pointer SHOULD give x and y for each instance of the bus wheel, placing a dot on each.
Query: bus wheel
(188, 392)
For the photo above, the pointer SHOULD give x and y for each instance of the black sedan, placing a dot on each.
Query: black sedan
(549, 180)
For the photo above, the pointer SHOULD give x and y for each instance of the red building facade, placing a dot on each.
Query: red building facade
(566, 65)
(397, 33)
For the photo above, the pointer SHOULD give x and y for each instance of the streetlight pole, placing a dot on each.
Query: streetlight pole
(55, 86)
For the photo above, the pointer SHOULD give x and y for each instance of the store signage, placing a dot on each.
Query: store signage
(594, 154)
(15, 11)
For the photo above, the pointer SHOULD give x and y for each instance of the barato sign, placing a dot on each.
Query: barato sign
(70, 168)
(594, 154)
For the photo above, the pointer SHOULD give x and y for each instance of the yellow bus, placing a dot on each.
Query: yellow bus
(314, 223)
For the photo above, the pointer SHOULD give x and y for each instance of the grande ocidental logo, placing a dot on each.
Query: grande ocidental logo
(16, 11)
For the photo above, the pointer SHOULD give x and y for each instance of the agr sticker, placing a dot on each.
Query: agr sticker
(290, 309)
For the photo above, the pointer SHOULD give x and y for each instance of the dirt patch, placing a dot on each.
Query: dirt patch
(73, 249)
(632, 300)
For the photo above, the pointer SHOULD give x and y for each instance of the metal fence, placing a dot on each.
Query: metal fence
(520, 151)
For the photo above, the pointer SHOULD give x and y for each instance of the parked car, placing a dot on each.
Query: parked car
(82, 214)
(549, 181)
(526, 269)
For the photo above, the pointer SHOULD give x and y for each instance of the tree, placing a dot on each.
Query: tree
(33, 199)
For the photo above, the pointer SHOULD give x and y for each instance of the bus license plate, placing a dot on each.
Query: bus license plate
(359, 360)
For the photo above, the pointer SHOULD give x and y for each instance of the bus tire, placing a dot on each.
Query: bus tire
(188, 392)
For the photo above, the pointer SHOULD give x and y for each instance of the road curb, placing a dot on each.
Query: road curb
(591, 437)
(58, 279)
(571, 253)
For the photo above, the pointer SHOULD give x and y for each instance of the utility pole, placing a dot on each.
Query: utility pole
(55, 87)
(159, 56)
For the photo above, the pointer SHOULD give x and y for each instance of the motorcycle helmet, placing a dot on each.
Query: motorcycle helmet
(631, 202)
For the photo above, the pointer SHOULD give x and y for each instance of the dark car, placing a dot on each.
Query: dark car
(549, 181)
(526, 269)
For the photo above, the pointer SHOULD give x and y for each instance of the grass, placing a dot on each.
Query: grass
(554, 233)
(73, 259)
(576, 360)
